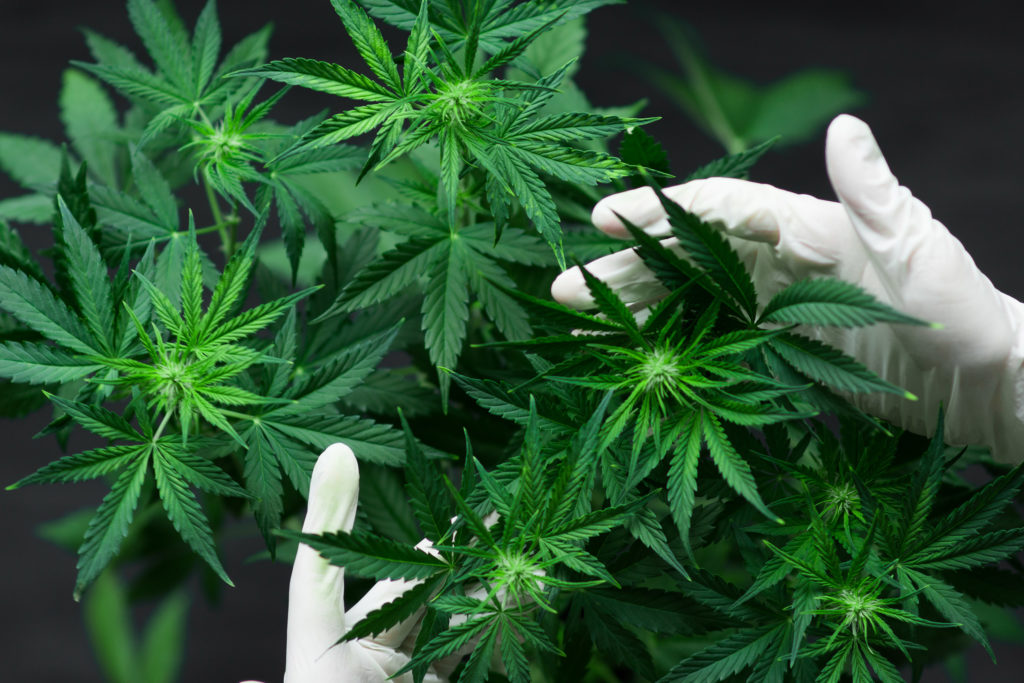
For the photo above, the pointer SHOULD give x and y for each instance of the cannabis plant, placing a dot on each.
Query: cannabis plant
(680, 491)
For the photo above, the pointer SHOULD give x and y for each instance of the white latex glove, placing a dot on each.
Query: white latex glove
(879, 237)
(316, 605)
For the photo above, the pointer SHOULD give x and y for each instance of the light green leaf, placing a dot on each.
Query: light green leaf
(154, 189)
(349, 124)
(108, 621)
(165, 42)
(29, 208)
(91, 123)
(206, 41)
(31, 162)
(163, 644)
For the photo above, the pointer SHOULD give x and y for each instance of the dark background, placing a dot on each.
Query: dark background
(945, 103)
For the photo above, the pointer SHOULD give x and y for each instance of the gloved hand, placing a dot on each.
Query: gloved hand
(879, 237)
(316, 606)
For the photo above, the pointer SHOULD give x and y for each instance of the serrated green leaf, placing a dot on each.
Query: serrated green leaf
(165, 42)
(831, 366)
(263, 479)
(682, 476)
(951, 605)
(731, 464)
(184, 511)
(369, 42)
(89, 278)
(391, 274)
(394, 611)
(322, 77)
(206, 40)
(340, 374)
(82, 466)
(826, 301)
(371, 556)
(499, 401)
(130, 216)
(519, 181)
(446, 310)
(980, 550)
(29, 208)
(41, 364)
(203, 474)
(31, 162)
(712, 252)
(725, 658)
(90, 120)
(99, 420)
(110, 524)
(425, 488)
(581, 166)
(976, 513)
(373, 442)
(154, 189)
(639, 148)
(733, 165)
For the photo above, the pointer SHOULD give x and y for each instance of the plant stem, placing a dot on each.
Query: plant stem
(160, 429)
(227, 241)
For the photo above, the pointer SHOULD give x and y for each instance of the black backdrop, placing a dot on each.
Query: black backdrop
(945, 104)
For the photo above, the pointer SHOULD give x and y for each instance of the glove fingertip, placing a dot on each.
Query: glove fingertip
(333, 490)
(569, 289)
(859, 172)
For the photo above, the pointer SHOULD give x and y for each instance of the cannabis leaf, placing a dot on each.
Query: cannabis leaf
(504, 575)
(187, 79)
(477, 120)
(456, 263)
(175, 468)
(739, 114)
